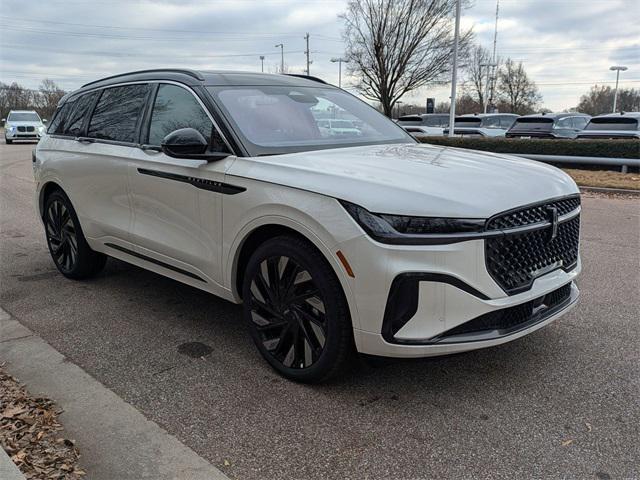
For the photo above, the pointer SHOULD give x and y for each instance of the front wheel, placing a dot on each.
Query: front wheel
(7, 141)
(68, 247)
(296, 310)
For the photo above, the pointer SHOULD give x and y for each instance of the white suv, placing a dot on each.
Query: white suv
(224, 181)
(23, 125)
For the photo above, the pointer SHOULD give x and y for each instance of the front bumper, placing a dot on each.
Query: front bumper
(16, 135)
(454, 288)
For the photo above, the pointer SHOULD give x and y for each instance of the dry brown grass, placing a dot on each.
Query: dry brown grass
(605, 179)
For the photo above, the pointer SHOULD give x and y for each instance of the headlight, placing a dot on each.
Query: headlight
(11, 129)
(41, 129)
(409, 230)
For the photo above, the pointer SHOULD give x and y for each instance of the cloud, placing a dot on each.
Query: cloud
(565, 46)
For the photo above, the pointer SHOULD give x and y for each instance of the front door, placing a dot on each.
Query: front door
(177, 207)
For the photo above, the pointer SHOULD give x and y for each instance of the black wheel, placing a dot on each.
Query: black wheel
(8, 142)
(67, 245)
(296, 310)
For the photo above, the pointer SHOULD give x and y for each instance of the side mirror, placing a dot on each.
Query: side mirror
(44, 120)
(189, 143)
(4, 120)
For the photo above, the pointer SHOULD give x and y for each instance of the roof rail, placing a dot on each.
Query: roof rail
(192, 73)
(308, 77)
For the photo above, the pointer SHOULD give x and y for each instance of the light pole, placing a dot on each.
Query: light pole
(452, 109)
(339, 60)
(486, 87)
(281, 45)
(617, 69)
(262, 63)
(398, 103)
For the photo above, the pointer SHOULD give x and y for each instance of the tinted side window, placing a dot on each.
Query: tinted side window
(176, 108)
(74, 120)
(117, 113)
(57, 124)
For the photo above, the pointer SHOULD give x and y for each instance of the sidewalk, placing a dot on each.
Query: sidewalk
(114, 439)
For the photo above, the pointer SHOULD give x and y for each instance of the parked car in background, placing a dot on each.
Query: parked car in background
(548, 125)
(613, 125)
(425, 125)
(223, 181)
(23, 125)
(338, 128)
(482, 125)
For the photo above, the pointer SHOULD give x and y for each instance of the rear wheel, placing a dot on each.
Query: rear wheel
(68, 247)
(296, 310)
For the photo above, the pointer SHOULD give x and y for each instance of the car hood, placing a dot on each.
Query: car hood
(414, 179)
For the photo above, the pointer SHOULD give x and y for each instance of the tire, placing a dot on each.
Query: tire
(300, 322)
(67, 245)
(8, 142)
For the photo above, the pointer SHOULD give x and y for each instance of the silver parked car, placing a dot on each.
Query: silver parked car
(549, 125)
(483, 125)
(613, 125)
(23, 125)
(425, 125)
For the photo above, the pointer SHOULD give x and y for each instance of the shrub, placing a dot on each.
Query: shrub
(580, 148)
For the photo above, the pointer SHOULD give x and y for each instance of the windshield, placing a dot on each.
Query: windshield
(613, 123)
(284, 119)
(23, 117)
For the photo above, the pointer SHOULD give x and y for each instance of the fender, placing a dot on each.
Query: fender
(328, 251)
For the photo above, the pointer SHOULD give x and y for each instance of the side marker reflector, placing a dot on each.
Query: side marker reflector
(345, 264)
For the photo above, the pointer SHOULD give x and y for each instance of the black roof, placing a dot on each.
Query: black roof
(204, 77)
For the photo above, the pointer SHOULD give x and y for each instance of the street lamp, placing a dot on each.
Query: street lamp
(452, 109)
(398, 103)
(281, 46)
(339, 60)
(617, 69)
(262, 63)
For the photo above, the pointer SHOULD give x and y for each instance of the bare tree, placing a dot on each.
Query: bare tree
(17, 97)
(599, 100)
(476, 73)
(516, 90)
(49, 96)
(396, 46)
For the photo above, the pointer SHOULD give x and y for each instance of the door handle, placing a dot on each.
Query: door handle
(85, 140)
(150, 148)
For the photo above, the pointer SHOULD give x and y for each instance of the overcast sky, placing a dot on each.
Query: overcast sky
(566, 45)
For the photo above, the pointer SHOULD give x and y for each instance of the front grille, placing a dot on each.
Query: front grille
(513, 318)
(530, 215)
(26, 129)
(515, 259)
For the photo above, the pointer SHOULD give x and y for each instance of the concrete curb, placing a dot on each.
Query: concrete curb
(8, 469)
(115, 440)
(624, 191)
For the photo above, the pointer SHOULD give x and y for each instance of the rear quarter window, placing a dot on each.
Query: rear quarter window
(77, 114)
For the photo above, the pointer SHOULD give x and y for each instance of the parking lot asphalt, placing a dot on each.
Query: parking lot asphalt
(563, 402)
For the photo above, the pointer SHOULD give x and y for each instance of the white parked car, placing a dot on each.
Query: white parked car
(483, 125)
(625, 125)
(425, 125)
(224, 182)
(23, 125)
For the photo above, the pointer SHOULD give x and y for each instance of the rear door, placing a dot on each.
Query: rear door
(111, 138)
(177, 203)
